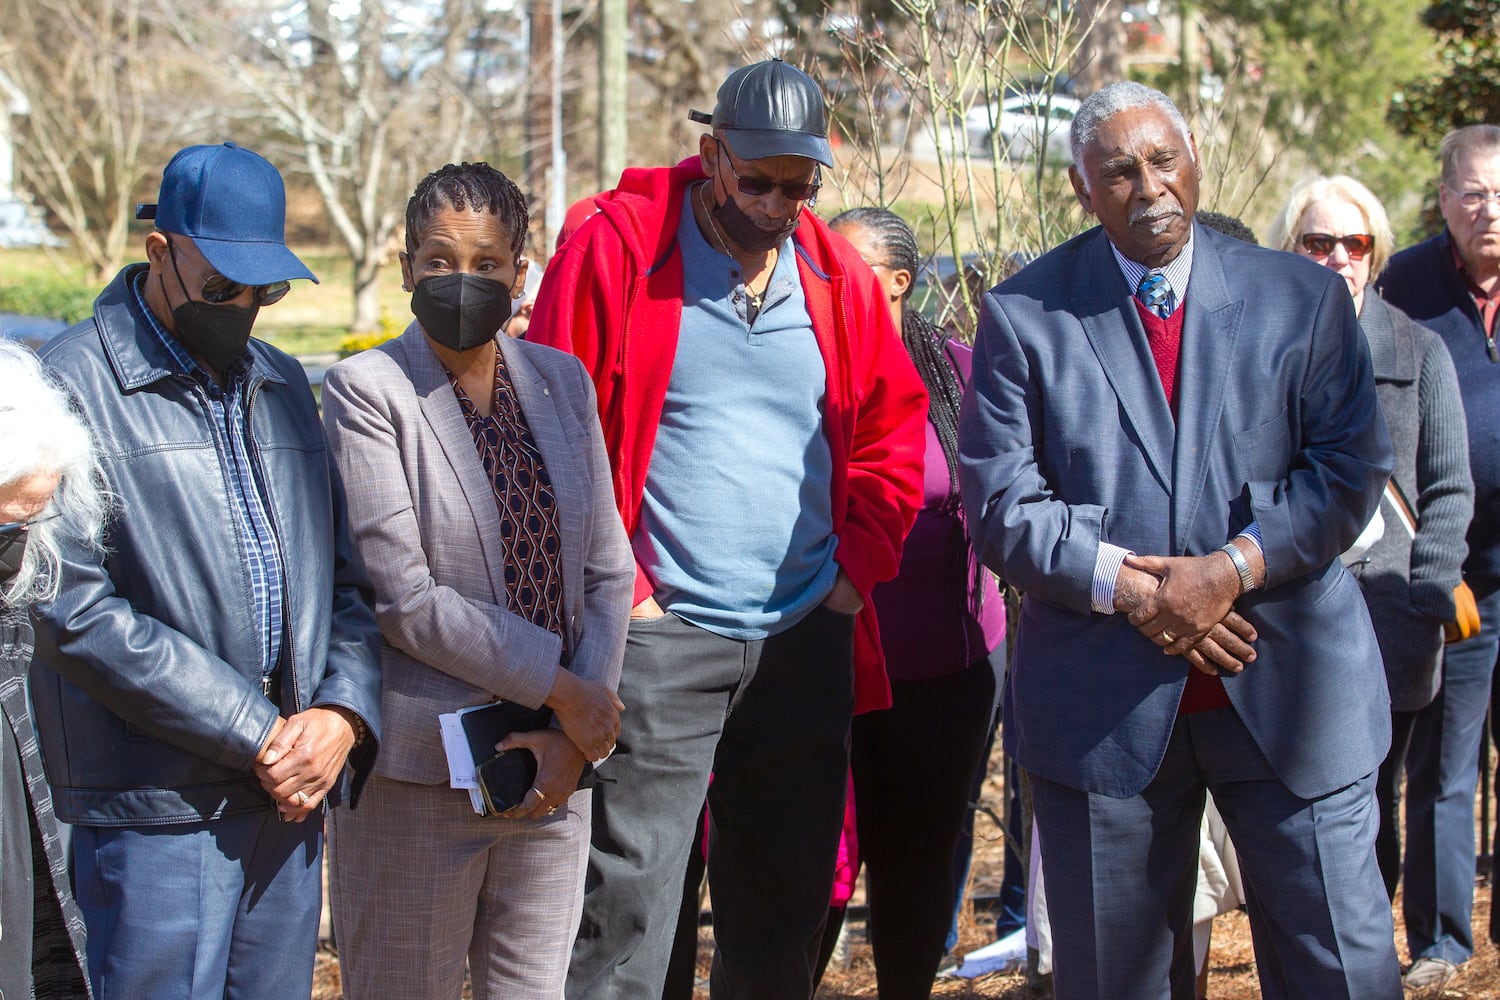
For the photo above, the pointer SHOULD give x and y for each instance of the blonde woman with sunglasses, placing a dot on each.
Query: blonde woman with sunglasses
(1408, 575)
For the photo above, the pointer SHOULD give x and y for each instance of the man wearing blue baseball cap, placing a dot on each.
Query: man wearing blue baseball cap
(202, 684)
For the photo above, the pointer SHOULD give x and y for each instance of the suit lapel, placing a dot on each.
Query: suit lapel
(1210, 329)
(445, 417)
(540, 408)
(1114, 329)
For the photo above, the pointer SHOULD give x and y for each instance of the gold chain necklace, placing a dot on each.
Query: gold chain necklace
(754, 298)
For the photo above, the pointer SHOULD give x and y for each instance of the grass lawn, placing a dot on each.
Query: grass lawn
(312, 319)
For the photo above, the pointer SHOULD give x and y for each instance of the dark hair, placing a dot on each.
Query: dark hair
(472, 186)
(1226, 224)
(924, 341)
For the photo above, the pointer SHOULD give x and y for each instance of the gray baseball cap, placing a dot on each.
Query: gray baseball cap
(771, 108)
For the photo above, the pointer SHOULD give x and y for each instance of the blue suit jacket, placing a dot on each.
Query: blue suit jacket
(1422, 282)
(1066, 439)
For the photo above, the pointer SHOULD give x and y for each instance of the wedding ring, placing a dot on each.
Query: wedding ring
(1168, 636)
(551, 810)
(539, 793)
(301, 797)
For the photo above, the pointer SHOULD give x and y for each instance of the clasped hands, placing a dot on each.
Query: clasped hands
(1185, 604)
(303, 758)
(588, 717)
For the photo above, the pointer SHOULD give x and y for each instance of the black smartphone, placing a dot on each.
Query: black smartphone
(505, 779)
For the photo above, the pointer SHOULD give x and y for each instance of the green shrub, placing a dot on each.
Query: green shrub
(52, 297)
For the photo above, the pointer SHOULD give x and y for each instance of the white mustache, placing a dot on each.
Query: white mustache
(1154, 213)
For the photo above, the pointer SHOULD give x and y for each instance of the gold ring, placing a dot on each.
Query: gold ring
(551, 810)
(301, 797)
(539, 793)
(1168, 636)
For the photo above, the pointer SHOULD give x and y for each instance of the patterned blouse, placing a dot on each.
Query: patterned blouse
(526, 501)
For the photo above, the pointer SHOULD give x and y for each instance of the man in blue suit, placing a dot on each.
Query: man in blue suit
(1169, 476)
(1451, 284)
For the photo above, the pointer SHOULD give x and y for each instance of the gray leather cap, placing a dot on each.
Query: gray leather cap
(771, 108)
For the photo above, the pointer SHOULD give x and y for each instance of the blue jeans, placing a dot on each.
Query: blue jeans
(1442, 770)
(223, 910)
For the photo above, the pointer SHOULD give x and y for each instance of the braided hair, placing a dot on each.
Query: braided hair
(924, 342)
(472, 186)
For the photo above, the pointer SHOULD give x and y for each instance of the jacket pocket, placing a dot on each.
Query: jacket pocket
(1265, 449)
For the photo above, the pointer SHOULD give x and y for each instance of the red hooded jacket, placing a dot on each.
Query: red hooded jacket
(612, 295)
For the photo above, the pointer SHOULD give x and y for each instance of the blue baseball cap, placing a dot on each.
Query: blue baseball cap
(232, 204)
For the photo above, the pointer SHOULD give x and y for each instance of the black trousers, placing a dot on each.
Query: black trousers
(914, 765)
(1388, 796)
(682, 970)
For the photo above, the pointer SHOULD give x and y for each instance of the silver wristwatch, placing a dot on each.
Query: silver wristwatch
(1241, 566)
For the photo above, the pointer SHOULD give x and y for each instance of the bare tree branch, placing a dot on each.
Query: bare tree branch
(106, 112)
(366, 109)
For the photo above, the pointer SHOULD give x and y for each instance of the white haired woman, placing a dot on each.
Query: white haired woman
(50, 485)
(1409, 575)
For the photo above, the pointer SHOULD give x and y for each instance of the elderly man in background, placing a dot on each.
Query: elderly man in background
(1169, 438)
(200, 691)
(50, 489)
(765, 427)
(1451, 284)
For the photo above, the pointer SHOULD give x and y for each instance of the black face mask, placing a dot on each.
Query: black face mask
(217, 334)
(10, 560)
(742, 231)
(461, 311)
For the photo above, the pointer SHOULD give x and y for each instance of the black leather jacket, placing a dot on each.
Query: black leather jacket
(146, 679)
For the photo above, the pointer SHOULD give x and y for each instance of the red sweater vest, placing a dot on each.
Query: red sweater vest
(1165, 339)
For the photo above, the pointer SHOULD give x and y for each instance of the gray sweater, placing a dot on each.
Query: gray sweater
(1408, 583)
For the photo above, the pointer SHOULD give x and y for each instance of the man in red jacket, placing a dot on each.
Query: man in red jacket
(765, 428)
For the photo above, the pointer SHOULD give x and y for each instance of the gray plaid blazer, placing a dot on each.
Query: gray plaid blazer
(424, 519)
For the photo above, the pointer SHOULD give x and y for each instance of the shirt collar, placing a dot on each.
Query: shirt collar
(1177, 272)
(1479, 294)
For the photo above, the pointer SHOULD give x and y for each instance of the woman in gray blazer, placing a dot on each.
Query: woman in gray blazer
(480, 498)
(1408, 576)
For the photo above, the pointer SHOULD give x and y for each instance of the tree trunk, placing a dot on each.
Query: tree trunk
(1101, 53)
(538, 165)
(366, 294)
(613, 84)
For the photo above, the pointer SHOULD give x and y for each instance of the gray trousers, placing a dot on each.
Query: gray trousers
(420, 884)
(769, 719)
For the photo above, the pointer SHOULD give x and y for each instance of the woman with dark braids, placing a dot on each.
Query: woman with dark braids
(941, 620)
(480, 501)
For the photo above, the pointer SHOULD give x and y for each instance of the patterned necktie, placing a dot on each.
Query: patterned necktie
(1153, 293)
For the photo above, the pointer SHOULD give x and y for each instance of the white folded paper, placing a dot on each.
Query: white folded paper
(460, 760)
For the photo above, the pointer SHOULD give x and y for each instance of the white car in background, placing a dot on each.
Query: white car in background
(1026, 123)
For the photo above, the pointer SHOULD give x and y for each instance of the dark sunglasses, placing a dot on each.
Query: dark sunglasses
(1358, 244)
(756, 187)
(218, 289)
